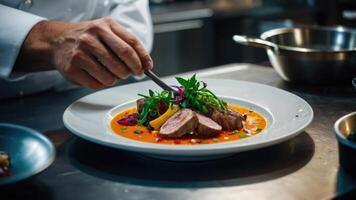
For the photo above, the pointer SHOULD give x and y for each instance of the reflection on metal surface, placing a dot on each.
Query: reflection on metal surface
(178, 26)
(313, 55)
(180, 16)
(242, 168)
(349, 14)
(346, 124)
(233, 4)
(343, 127)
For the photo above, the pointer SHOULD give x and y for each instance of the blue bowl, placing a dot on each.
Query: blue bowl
(347, 148)
(30, 152)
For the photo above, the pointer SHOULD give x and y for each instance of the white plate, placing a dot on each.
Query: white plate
(287, 115)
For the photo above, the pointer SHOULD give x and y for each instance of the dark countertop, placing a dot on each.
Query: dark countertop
(305, 167)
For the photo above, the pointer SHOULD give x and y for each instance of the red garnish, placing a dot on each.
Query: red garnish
(4, 164)
(4, 171)
(130, 120)
(176, 141)
(180, 96)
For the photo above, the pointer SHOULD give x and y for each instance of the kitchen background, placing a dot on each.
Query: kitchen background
(196, 34)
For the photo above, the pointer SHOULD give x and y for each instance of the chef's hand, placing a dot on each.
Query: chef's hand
(93, 54)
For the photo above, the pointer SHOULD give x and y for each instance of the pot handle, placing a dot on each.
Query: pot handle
(256, 42)
(354, 82)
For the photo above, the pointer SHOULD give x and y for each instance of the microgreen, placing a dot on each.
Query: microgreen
(190, 94)
(197, 97)
(243, 135)
(151, 107)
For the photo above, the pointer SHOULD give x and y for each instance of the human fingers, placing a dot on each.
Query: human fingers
(87, 63)
(81, 77)
(105, 56)
(133, 42)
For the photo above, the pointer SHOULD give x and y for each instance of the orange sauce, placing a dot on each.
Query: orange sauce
(254, 125)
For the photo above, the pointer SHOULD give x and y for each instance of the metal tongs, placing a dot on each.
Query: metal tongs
(158, 81)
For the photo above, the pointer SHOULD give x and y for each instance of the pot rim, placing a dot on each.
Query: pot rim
(270, 33)
(341, 137)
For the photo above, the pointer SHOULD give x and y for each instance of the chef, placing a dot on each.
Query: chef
(92, 43)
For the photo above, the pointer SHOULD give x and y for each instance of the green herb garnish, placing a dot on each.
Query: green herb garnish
(197, 97)
(191, 94)
(258, 130)
(234, 132)
(137, 131)
(216, 140)
(151, 107)
(243, 135)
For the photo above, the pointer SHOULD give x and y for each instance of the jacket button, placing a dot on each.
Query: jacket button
(28, 4)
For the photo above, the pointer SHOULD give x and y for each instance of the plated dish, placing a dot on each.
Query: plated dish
(285, 114)
(193, 115)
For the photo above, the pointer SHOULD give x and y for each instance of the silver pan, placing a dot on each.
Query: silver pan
(314, 55)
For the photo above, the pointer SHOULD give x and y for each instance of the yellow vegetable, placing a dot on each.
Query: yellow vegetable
(157, 123)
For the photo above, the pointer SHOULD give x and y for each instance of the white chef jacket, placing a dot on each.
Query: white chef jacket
(17, 17)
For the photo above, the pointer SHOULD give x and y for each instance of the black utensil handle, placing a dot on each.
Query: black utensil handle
(158, 81)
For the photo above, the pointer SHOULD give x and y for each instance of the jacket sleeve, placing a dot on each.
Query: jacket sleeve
(14, 27)
(135, 16)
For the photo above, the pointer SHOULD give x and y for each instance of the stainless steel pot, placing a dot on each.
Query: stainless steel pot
(314, 55)
(347, 148)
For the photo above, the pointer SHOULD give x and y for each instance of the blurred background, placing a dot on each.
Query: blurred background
(196, 34)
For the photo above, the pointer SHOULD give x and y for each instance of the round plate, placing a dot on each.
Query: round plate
(286, 113)
(30, 152)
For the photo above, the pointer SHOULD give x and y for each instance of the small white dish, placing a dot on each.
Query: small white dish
(286, 113)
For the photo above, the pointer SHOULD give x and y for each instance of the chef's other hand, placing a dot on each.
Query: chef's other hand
(93, 54)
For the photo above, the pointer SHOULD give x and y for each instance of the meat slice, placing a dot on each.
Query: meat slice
(140, 103)
(207, 127)
(228, 119)
(182, 122)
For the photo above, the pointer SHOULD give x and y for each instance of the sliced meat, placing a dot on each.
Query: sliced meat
(182, 122)
(207, 127)
(229, 119)
(140, 103)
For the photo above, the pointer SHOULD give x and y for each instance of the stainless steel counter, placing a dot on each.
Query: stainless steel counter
(305, 167)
